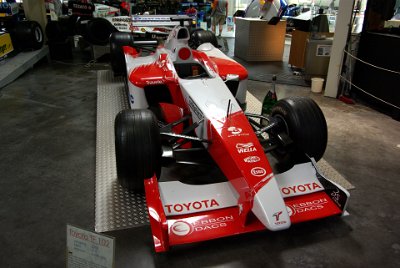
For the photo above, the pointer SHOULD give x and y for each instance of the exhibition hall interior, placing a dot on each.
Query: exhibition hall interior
(199, 133)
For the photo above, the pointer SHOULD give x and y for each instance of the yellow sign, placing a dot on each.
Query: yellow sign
(5, 44)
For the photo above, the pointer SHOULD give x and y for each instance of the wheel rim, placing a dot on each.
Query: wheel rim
(281, 125)
(38, 35)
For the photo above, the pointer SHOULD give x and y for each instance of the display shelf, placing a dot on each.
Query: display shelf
(13, 67)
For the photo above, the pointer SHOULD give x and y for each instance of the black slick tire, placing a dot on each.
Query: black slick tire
(28, 35)
(137, 148)
(199, 36)
(117, 57)
(303, 121)
(98, 31)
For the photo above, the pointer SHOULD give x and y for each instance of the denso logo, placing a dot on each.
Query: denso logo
(251, 159)
(258, 172)
(245, 147)
(191, 206)
(301, 188)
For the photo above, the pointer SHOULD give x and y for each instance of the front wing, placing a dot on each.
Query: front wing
(180, 213)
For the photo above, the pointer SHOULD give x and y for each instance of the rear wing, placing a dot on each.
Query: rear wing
(140, 24)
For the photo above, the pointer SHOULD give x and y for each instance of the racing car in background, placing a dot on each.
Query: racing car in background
(96, 20)
(24, 34)
(187, 106)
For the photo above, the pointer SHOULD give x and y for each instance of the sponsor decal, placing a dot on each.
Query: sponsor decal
(131, 98)
(309, 206)
(183, 228)
(245, 147)
(163, 30)
(301, 188)
(81, 6)
(338, 196)
(277, 216)
(258, 172)
(236, 132)
(154, 82)
(119, 19)
(195, 108)
(191, 207)
(80, 9)
(251, 159)
(290, 211)
(134, 28)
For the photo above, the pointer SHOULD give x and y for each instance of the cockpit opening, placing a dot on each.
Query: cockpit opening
(190, 70)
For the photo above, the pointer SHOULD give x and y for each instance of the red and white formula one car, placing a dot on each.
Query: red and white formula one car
(186, 107)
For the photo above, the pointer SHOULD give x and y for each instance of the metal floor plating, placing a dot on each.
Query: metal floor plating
(115, 207)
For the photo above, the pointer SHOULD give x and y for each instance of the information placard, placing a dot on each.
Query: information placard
(323, 50)
(89, 249)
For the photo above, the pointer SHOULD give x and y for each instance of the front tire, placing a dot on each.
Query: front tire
(303, 121)
(117, 57)
(137, 148)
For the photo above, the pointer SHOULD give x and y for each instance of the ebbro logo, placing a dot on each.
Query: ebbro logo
(245, 147)
(181, 228)
(251, 159)
(309, 206)
(258, 172)
(290, 211)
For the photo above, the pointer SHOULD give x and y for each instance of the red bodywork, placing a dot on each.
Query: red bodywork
(253, 198)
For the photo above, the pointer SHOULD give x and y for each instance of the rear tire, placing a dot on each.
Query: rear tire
(303, 121)
(98, 31)
(199, 36)
(27, 35)
(137, 148)
(117, 57)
